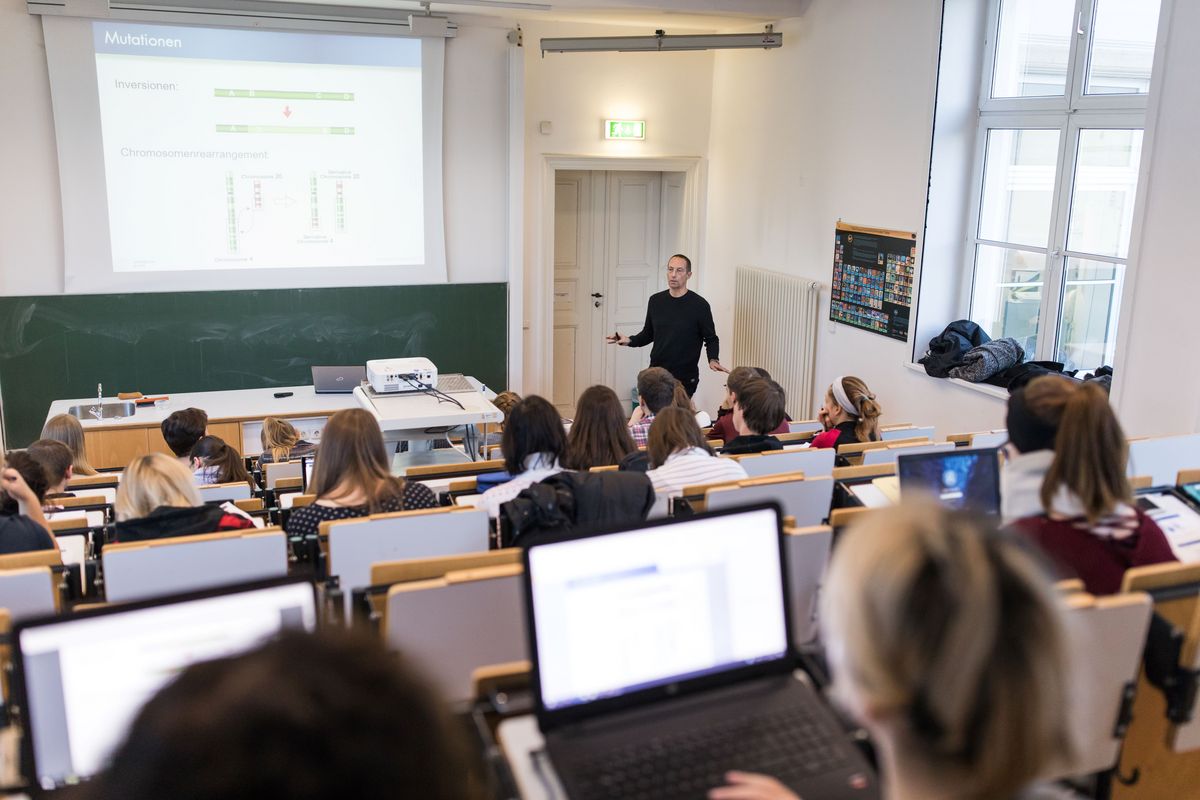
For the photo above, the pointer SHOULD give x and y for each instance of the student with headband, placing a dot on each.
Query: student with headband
(850, 414)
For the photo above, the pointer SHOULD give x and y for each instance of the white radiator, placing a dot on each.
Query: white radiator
(775, 320)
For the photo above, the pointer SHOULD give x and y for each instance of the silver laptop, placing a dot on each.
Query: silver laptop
(335, 380)
(662, 660)
(81, 679)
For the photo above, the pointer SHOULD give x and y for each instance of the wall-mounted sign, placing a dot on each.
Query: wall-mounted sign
(625, 129)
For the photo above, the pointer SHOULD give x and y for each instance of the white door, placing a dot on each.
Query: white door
(613, 233)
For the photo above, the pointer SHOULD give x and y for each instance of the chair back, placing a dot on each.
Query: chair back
(1162, 457)
(453, 625)
(807, 552)
(776, 462)
(273, 471)
(139, 570)
(884, 455)
(805, 426)
(236, 490)
(805, 499)
(910, 432)
(33, 558)
(28, 592)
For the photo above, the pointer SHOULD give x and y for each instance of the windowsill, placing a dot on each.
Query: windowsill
(982, 388)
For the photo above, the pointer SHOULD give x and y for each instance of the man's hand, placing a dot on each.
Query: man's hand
(748, 786)
(617, 338)
(715, 366)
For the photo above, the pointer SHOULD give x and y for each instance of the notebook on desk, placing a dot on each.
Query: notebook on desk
(662, 659)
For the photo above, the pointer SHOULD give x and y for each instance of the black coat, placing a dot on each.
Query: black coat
(575, 503)
(946, 350)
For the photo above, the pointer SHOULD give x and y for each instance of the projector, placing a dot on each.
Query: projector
(394, 375)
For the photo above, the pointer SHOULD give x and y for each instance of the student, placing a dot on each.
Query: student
(946, 642)
(757, 410)
(281, 442)
(55, 459)
(723, 428)
(351, 477)
(23, 527)
(66, 429)
(656, 391)
(504, 402)
(213, 461)
(303, 716)
(680, 456)
(157, 499)
(534, 446)
(850, 414)
(598, 436)
(1088, 522)
(182, 429)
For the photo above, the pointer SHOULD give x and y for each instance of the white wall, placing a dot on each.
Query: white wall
(575, 92)
(475, 157)
(836, 124)
(1157, 389)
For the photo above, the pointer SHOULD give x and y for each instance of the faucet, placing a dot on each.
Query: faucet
(99, 392)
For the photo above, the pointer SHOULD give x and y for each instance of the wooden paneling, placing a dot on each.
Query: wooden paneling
(230, 432)
(117, 448)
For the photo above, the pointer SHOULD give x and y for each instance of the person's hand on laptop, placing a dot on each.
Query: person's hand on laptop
(750, 786)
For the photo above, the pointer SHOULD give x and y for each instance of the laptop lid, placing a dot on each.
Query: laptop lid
(628, 617)
(331, 380)
(81, 679)
(306, 468)
(958, 479)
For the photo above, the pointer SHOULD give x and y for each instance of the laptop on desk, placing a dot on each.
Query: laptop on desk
(662, 660)
(337, 380)
(958, 479)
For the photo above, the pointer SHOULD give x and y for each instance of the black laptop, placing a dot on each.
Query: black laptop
(958, 479)
(337, 380)
(81, 679)
(662, 660)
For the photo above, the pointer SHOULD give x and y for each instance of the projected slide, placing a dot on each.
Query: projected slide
(234, 149)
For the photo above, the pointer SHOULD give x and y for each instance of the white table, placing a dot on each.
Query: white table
(421, 418)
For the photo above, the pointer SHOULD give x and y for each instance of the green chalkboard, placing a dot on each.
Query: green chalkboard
(61, 346)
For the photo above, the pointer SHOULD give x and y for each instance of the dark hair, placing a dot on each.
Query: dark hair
(738, 377)
(686, 260)
(1033, 414)
(599, 435)
(213, 452)
(533, 426)
(183, 429)
(657, 388)
(352, 455)
(673, 429)
(31, 471)
(54, 456)
(303, 717)
(762, 403)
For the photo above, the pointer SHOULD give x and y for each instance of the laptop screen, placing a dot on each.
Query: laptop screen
(86, 678)
(959, 479)
(306, 468)
(623, 612)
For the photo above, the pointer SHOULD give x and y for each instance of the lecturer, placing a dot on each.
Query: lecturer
(677, 321)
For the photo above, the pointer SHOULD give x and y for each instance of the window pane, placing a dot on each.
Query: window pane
(1008, 293)
(1122, 53)
(1087, 333)
(1018, 183)
(1032, 48)
(1106, 174)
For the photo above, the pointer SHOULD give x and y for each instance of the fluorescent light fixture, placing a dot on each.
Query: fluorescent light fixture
(660, 42)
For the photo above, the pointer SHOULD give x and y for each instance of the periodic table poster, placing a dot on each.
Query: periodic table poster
(873, 272)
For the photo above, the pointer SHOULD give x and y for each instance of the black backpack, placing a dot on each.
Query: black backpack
(575, 502)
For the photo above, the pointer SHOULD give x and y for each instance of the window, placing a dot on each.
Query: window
(1062, 107)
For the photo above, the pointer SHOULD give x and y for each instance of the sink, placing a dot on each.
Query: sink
(124, 408)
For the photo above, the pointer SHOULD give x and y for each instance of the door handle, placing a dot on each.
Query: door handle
(597, 294)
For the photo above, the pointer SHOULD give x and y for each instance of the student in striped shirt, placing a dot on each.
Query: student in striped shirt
(680, 456)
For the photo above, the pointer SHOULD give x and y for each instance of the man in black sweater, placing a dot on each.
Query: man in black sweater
(677, 322)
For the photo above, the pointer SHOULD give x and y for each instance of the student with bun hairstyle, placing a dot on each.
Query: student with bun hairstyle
(680, 456)
(946, 641)
(599, 436)
(213, 461)
(850, 414)
(723, 428)
(281, 442)
(66, 429)
(1088, 522)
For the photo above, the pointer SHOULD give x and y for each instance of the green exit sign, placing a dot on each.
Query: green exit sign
(625, 129)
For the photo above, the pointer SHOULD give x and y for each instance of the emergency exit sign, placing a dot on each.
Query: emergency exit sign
(625, 129)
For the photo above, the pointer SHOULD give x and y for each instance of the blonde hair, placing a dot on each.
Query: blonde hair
(153, 481)
(953, 631)
(506, 401)
(278, 438)
(66, 429)
(866, 426)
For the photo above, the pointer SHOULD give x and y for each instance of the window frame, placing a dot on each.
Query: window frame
(1070, 114)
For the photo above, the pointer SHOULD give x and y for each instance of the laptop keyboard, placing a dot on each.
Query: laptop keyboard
(789, 745)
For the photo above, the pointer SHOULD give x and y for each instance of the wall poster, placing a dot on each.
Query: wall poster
(873, 271)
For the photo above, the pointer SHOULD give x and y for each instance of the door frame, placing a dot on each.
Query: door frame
(540, 265)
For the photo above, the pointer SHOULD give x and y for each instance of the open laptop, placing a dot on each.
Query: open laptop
(958, 479)
(662, 660)
(306, 469)
(1174, 510)
(337, 380)
(82, 679)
